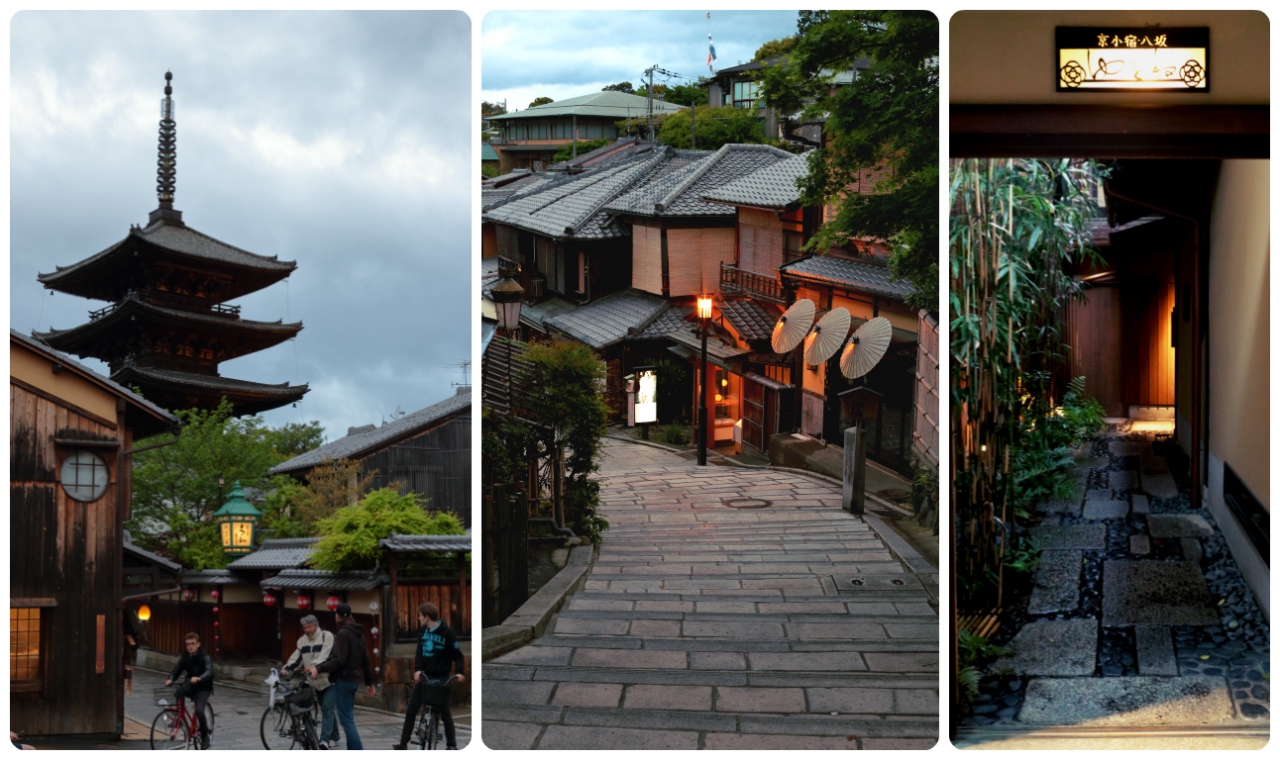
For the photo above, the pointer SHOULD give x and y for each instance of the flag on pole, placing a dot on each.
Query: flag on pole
(711, 53)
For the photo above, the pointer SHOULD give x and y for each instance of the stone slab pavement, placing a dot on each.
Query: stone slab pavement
(788, 624)
(238, 715)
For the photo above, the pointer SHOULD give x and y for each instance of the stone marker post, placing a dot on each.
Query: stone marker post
(854, 491)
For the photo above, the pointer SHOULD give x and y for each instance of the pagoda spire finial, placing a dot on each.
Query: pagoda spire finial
(167, 167)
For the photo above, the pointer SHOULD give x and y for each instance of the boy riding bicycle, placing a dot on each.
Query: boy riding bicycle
(197, 664)
(437, 649)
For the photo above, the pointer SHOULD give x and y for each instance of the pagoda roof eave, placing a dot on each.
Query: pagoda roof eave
(72, 339)
(167, 241)
(246, 397)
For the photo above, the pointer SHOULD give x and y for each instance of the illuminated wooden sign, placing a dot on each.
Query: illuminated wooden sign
(647, 395)
(1129, 59)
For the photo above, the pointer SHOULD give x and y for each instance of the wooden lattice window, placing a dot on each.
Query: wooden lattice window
(25, 650)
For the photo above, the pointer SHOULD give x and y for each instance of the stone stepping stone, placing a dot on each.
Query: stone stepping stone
(1191, 549)
(1139, 544)
(1106, 509)
(1057, 586)
(1058, 537)
(1127, 702)
(1055, 507)
(1160, 486)
(1089, 461)
(1053, 648)
(1141, 506)
(1122, 480)
(1130, 448)
(1140, 592)
(1178, 526)
(1155, 651)
(1153, 465)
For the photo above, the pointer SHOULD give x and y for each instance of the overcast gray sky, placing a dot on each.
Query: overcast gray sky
(340, 140)
(562, 54)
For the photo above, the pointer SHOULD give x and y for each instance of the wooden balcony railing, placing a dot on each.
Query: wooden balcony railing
(739, 281)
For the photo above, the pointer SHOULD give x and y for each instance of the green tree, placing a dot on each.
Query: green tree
(566, 151)
(350, 538)
(542, 101)
(488, 109)
(295, 438)
(776, 47)
(887, 118)
(716, 127)
(176, 488)
(619, 87)
(687, 95)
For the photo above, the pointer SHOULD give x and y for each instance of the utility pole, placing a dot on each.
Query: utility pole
(649, 73)
(693, 125)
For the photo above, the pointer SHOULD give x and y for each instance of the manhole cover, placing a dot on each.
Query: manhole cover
(895, 582)
(747, 503)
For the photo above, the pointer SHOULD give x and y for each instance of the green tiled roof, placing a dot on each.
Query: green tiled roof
(613, 105)
(487, 152)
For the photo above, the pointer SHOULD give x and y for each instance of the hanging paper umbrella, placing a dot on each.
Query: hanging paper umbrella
(866, 348)
(793, 326)
(826, 338)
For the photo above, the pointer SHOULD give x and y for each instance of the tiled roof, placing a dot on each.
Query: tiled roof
(607, 321)
(772, 187)
(406, 544)
(503, 179)
(368, 440)
(680, 193)
(536, 315)
(147, 556)
(752, 319)
(277, 553)
(857, 275)
(571, 209)
(608, 153)
(214, 382)
(119, 389)
(133, 305)
(717, 347)
(671, 320)
(323, 579)
(610, 104)
(180, 239)
(216, 577)
(493, 197)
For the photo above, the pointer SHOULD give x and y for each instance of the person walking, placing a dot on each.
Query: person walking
(347, 662)
(438, 651)
(198, 666)
(314, 647)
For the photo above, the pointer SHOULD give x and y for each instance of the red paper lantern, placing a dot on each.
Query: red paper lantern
(215, 594)
(304, 602)
(215, 610)
(333, 602)
(215, 624)
(188, 595)
(269, 599)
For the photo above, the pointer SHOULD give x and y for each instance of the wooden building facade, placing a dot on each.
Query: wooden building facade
(70, 445)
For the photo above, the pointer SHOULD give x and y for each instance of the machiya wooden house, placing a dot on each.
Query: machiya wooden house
(427, 453)
(168, 324)
(71, 444)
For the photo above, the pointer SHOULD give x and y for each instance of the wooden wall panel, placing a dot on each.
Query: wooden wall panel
(759, 241)
(1095, 338)
(646, 253)
(1148, 356)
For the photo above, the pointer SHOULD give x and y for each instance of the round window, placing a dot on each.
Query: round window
(85, 476)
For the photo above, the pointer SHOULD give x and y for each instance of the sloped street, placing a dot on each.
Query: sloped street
(728, 608)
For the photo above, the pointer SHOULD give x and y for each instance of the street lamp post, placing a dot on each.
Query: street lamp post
(508, 297)
(704, 319)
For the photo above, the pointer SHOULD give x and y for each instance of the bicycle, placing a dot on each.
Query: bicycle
(435, 694)
(176, 727)
(291, 717)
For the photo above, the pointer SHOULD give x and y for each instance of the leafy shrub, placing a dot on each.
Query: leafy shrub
(676, 434)
(351, 536)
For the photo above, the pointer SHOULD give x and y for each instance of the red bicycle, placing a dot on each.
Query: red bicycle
(176, 727)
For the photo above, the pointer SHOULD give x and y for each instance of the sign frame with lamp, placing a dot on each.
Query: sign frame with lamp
(1131, 59)
(646, 395)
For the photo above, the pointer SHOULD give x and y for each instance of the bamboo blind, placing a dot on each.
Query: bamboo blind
(646, 258)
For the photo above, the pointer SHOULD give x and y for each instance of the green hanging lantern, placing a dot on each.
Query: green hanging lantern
(239, 520)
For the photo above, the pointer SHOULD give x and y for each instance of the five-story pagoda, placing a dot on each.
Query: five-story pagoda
(168, 326)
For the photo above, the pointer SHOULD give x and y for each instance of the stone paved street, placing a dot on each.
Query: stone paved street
(728, 608)
(238, 713)
(1138, 617)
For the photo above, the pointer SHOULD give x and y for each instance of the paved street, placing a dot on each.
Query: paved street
(238, 713)
(728, 609)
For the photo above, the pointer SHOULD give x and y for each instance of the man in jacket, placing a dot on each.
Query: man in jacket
(314, 647)
(347, 662)
(437, 652)
(198, 666)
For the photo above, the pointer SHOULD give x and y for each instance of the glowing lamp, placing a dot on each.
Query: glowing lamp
(719, 397)
(144, 613)
(704, 307)
(237, 520)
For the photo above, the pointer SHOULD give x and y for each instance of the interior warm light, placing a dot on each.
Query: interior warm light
(144, 613)
(719, 397)
(724, 381)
